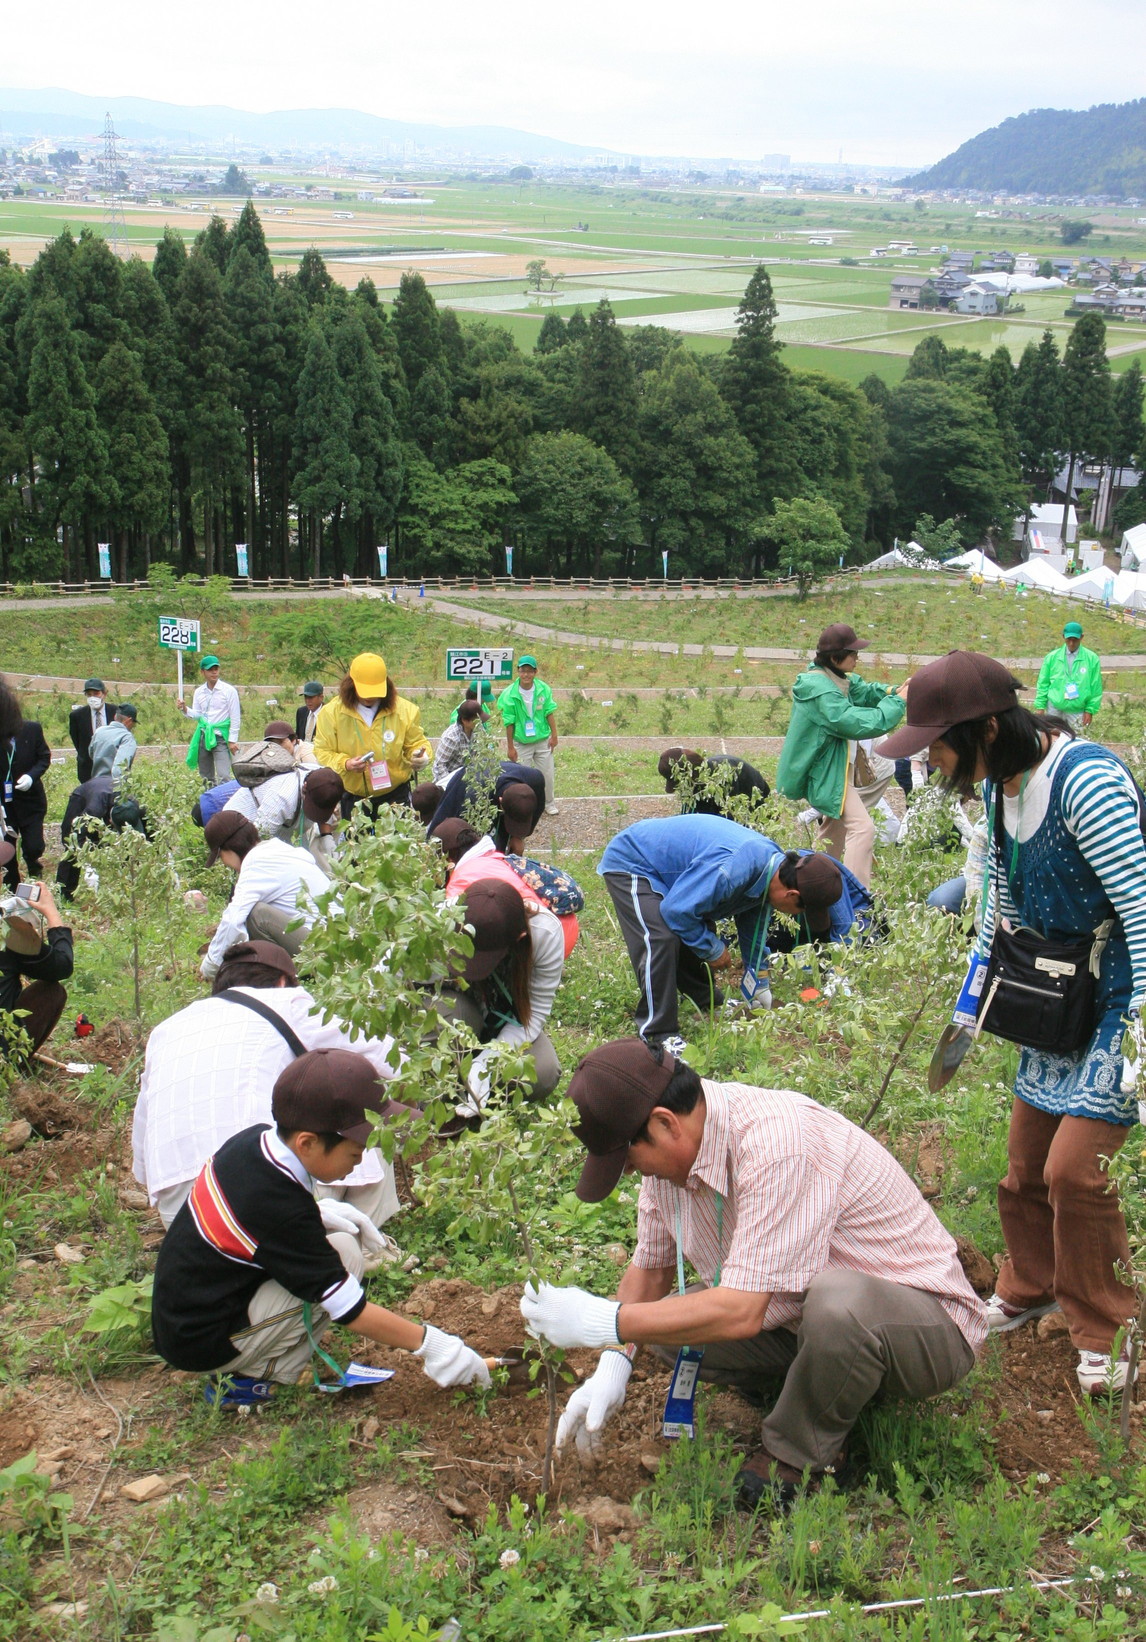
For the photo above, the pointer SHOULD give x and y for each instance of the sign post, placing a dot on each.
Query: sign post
(509, 558)
(178, 633)
(469, 666)
(665, 563)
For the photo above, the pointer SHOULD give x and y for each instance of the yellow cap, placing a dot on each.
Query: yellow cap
(368, 673)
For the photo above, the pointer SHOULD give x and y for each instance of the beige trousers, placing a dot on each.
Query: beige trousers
(539, 754)
(275, 1345)
(851, 836)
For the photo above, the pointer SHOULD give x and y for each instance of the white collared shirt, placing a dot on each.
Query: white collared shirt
(209, 1072)
(277, 873)
(218, 706)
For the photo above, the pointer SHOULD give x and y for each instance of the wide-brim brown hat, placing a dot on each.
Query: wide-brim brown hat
(959, 688)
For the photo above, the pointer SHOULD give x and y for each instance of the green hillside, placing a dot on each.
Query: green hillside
(1100, 150)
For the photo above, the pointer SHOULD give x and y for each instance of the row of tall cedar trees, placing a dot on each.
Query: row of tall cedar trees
(175, 408)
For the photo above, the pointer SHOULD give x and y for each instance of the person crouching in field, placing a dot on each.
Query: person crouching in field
(248, 1278)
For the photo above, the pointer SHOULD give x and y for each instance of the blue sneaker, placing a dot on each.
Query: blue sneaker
(235, 1391)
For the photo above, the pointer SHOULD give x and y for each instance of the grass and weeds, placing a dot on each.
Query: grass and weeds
(262, 1534)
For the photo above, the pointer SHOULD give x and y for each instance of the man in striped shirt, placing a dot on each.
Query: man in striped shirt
(819, 1261)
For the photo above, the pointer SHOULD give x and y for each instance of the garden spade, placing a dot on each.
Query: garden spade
(950, 1053)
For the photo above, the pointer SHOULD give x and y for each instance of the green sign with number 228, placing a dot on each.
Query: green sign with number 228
(178, 633)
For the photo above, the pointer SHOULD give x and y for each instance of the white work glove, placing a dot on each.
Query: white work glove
(569, 1317)
(377, 1248)
(24, 783)
(594, 1403)
(449, 1361)
(761, 998)
(477, 1082)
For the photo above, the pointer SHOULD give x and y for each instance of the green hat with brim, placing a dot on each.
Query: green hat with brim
(527, 661)
(1072, 630)
(208, 661)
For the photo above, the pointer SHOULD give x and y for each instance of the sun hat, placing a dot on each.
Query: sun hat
(208, 661)
(1072, 630)
(328, 1091)
(960, 687)
(837, 638)
(527, 661)
(311, 688)
(321, 793)
(495, 912)
(368, 674)
(820, 884)
(94, 684)
(222, 830)
(279, 730)
(614, 1089)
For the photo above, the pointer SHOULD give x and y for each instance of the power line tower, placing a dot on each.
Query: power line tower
(114, 227)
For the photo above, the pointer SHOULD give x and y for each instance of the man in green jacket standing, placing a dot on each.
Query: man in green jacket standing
(1070, 681)
(529, 714)
(832, 709)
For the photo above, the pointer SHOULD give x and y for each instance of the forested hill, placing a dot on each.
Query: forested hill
(1099, 150)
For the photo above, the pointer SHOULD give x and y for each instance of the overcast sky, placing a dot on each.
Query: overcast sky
(886, 81)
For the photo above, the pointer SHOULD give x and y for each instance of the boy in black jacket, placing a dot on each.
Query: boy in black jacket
(249, 1248)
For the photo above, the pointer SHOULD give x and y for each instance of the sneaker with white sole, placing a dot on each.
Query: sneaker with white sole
(675, 1045)
(1098, 1376)
(551, 809)
(1002, 1316)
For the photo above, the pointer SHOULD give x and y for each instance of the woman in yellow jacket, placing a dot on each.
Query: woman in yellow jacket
(372, 736)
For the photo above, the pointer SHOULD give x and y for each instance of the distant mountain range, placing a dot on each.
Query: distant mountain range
(25, 115)
(1099, 150)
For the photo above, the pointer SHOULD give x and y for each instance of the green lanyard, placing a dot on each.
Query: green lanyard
(307, 1314)
(680, 1243)
(995, 838)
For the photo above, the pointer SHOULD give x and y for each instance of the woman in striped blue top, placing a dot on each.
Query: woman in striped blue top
(1072, 857)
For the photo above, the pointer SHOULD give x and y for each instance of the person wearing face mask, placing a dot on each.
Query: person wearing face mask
(84, 721)
(833, 708)
(372, 736)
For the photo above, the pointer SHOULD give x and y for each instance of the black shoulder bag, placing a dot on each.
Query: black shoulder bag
(1038, 992)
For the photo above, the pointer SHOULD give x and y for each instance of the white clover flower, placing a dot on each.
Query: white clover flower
(421, 1554)
(1122, 1590)
(1043, 1476)
(509, 1559)
(267, 1592)
(321, 1587)
(1096, 1573)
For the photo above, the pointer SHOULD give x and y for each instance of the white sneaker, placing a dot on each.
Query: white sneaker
(551, 809)
(1097, 1375)
(674, 1046)
(1002, 1317)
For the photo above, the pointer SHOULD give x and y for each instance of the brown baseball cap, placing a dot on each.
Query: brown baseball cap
(960, 687)
(614, 1089)
(518, 804)
(495, 912)
(279, 730)
(328, 1091)
(222, 830)
(321, 793)
(837, 638)
(262, 952)
(668, 761)
(820, 884)
(447, 832)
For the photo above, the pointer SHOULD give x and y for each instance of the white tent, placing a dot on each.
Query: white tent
(910, 554)
(1034, 573)
(975, 563)
(1096, 585)
(1133, 548)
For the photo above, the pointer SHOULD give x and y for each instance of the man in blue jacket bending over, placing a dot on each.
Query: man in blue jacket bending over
(670, 882)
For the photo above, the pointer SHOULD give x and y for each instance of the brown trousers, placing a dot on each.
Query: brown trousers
(1063, 1226)
(44, 1002)
(851, 837)
(858, 1336)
